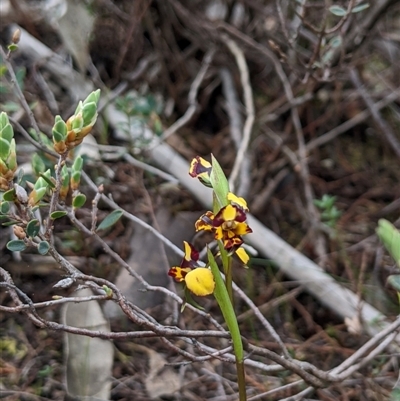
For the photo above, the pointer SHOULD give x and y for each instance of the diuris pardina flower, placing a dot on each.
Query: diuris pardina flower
(228, 225)
(201, 169)
(198, 280)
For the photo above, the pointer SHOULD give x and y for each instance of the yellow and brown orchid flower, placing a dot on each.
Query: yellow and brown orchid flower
(201, 169)
(228, 225)
(198, 279)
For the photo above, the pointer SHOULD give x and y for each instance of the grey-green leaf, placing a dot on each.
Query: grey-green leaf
(9, 195)
(16, 245)
(394, 281)
(32, 228)
(4, 207)
(359, 8)
(338, 11)
(43, 247)
(110, 220)
(58, 214)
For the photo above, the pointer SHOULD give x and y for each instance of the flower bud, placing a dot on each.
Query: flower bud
(89, 113)
(76, 123)
(59, 130)
(19, 232)
(16, 36)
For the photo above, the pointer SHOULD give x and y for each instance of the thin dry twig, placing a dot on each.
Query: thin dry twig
(276, 390)
(6, 60)
(384, 127)
(47, 93)
(391, 328)
(262, 320)
(249, 105)
(346, 126)
(192, 98)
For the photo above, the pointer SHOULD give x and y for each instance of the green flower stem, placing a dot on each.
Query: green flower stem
(227, 266)
(224, 302)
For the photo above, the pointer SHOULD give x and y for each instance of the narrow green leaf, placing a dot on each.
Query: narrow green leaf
(390, 238)
(78, 164)
(335, 42)
(7, 132)
(58, 214)
(33, 228)
(110, 220)
(9, 195)
(338, 11)
(219, 183)
(222, 297)
(59, 129)
(12, 47)
(78, 201)
(38, 164)
(4, 207)
(16, 245)
(92, 97)
(58, 137)
(38, 194)
(20, 175)
(48, 180)
(3, 115)
(359, 8)
(4, 148)
(77, 123)
(10, 223)
(89, 111)
(394, 281)
(43, 247)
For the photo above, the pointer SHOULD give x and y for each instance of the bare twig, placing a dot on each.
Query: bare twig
(263, 320)
(18, 91)
(140, 69)
(263, 197)
(150, 169)
(249, 104)
(391, 328)
(47, 93)
(133, 218)
(192, 98)
(342, 128)
(276, 390)
(384, 127)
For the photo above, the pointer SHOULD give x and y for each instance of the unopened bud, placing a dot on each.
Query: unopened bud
(16, 36)
(19, 232)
